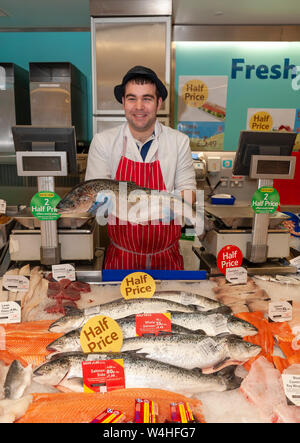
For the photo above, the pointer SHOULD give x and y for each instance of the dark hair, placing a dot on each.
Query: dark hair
(142, 80)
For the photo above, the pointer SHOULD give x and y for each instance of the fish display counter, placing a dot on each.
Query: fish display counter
(224, 352)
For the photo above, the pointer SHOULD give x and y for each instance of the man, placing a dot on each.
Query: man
(153, 156)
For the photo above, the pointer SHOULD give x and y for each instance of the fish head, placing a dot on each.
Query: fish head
(57, 345)
(52, 372)
(240, 349)
(79, 200)
(67, 323)
(240, 327)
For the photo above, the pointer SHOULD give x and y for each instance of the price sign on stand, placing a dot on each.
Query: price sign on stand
(229, 261)
(43, 205)
(229, 257)
(265, 200)
(137, 285)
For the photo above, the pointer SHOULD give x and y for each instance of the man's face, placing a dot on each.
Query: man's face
(140, 104)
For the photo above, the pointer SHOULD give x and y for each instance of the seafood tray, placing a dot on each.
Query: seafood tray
(26, 219)
(6, 224)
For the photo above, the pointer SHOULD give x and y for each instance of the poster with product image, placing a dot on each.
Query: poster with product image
(202, 110)
(271, 119)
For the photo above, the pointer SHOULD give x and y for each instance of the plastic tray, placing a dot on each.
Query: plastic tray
(222, 201)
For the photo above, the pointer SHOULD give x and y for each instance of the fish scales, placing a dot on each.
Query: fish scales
(116, 197)
(188, 298)
(117, 310)
(192, 350)
(214, 324)
(141, 373)
(71, 340)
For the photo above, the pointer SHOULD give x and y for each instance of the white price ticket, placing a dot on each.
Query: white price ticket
(10, 312)
(296, 262)
(291, 383)
(2, 206)
(60, 272)
(93, 310)
(15, 283)
(281, 311)
(208, 347)
(219, 324)
(236, 276)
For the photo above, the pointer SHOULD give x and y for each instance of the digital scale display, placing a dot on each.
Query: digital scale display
(273, 167)
(41, 164)
(48, 163)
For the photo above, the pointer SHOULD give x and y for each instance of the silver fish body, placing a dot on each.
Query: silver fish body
(70, 342)
(214, 324)
(140, 373)
(203, 303)
(192, 350)
(116, 310)
(17, 380)
(130, 203)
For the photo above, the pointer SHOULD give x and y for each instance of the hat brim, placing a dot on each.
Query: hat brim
(119, 89)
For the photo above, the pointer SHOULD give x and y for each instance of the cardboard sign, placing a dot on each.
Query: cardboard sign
(229, 257)
(103, 375)
(101, 334)
(152, 323)
(137, 285)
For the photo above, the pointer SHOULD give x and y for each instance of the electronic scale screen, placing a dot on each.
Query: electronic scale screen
(273, 167)
(42, 163)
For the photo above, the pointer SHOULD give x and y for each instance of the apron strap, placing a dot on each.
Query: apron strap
(148, 255)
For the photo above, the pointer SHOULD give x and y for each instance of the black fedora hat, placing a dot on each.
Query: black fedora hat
(142, 71)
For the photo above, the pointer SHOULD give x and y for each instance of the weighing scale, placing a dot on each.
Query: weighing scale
(47, 153)
(261, 156)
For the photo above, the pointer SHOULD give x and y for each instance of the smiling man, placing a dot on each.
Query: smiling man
(152, 155)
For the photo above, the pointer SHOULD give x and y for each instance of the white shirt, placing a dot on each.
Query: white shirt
(173, 148)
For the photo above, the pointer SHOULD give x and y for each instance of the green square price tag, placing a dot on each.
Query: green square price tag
(43, 205)
(265, 200)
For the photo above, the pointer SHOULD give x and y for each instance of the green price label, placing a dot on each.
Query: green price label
(265, 200)
(43, 205)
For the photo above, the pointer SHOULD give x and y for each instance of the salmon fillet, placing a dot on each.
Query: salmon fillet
(83, 407)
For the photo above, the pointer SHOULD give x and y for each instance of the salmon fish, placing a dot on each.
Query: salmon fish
(139, 373)
(116, 310)
(191, 351)
(130, 203)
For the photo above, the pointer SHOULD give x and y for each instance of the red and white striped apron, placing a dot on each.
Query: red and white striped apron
(143, 246)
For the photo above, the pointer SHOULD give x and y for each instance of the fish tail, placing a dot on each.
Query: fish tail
(229, 378)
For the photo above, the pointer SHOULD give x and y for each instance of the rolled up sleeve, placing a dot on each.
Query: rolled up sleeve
(98, 162)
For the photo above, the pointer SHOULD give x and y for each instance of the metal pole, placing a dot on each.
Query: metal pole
(50, 248)
(259, 247)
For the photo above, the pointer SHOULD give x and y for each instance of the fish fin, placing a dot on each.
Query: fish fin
(71, 310)
(218, 365)
(136, 352)
(93, 209)
(199, 331)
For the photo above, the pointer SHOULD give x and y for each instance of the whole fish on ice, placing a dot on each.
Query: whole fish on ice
(71, 340)
(130, 203)
(139, 373)
(188, 298)
(191, 351)
(214, 324)
(116, 310)
(17, 380)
